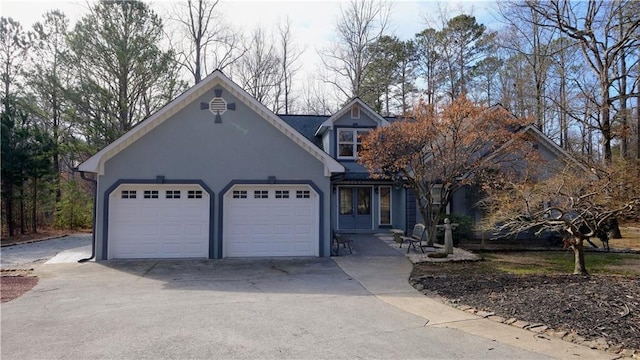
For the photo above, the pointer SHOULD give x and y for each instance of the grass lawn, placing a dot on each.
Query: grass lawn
(630, 237)
(560, 262)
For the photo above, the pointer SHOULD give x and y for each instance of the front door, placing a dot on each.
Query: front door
(354, 208)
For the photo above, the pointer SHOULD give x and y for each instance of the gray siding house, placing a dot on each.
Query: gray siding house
(215, 174)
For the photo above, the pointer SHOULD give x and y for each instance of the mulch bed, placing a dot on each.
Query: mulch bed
(594, 307)
(12, 287)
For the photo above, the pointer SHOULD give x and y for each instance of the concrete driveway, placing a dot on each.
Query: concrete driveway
(248, 309)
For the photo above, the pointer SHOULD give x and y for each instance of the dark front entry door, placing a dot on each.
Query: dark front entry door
(354, 208)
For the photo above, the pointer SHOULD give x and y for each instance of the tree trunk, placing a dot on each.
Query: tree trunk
(8, 208)
(624, 137)
(34, 204)
(22, 230)
(578, 253)
(605, 121)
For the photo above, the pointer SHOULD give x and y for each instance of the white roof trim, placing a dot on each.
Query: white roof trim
(328, 124)
(95, 164)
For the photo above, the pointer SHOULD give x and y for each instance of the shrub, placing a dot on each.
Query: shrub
(74, 210)
(464, 230)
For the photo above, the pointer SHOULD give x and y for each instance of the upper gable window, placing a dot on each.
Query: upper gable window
(355, 112)
(350, 142)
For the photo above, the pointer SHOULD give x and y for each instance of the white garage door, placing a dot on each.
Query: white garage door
(158, 221)
(271, 220)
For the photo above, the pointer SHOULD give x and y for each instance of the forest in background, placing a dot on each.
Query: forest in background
(68, 90)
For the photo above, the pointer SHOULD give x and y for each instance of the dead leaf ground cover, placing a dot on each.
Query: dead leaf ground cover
(14, 283)
(537, 287)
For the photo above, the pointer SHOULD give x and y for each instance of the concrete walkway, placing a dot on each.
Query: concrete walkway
(386, 277)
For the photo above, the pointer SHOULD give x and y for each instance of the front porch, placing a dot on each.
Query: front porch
(382, 244)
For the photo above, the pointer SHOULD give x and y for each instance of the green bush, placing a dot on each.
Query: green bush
(74, 210)
(464, 230)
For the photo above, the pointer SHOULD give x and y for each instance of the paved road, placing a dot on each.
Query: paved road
(37, 252)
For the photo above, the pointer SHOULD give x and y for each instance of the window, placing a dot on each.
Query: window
(194, 194)
(172, 194)
(385, 205)
(350, 142)
(151, 194)
(436, 194)
(302, 194)
(239, 194)
(355, 112)
(282, 194)
(346, 202)
(128, 194)
(261, 194)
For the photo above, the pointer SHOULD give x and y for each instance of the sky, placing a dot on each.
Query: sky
(313, 21)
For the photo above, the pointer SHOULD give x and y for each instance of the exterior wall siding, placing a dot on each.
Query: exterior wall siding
(191, 146)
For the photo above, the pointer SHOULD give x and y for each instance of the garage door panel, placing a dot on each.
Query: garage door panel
(170, 230)
(281, 210)
(159, 227)
(275, 224)
(194, 229)
(281, 229)
(302, 229)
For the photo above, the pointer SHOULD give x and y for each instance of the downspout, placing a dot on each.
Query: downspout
(95, 204)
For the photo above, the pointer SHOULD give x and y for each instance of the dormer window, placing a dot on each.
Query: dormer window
(350, 142)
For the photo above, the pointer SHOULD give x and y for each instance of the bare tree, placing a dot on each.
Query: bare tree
(210, 43)
(532, 43)
(258, 70)
(574, 203)
(315, 100)
(289, 56)
(603, 36)
(14, 47)
(359, 27)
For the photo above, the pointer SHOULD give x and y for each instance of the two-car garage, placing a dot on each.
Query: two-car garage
(175, 221)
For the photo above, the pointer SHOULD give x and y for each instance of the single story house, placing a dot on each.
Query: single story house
(215, 174)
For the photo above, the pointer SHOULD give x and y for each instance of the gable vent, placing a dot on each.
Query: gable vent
(218, 106)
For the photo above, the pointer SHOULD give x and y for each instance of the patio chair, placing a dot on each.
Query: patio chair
(340, 238)
(418, 236)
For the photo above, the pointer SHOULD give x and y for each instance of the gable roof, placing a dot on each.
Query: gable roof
(551, 145)
(542, 139)
(328, 124)
(95, 164)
